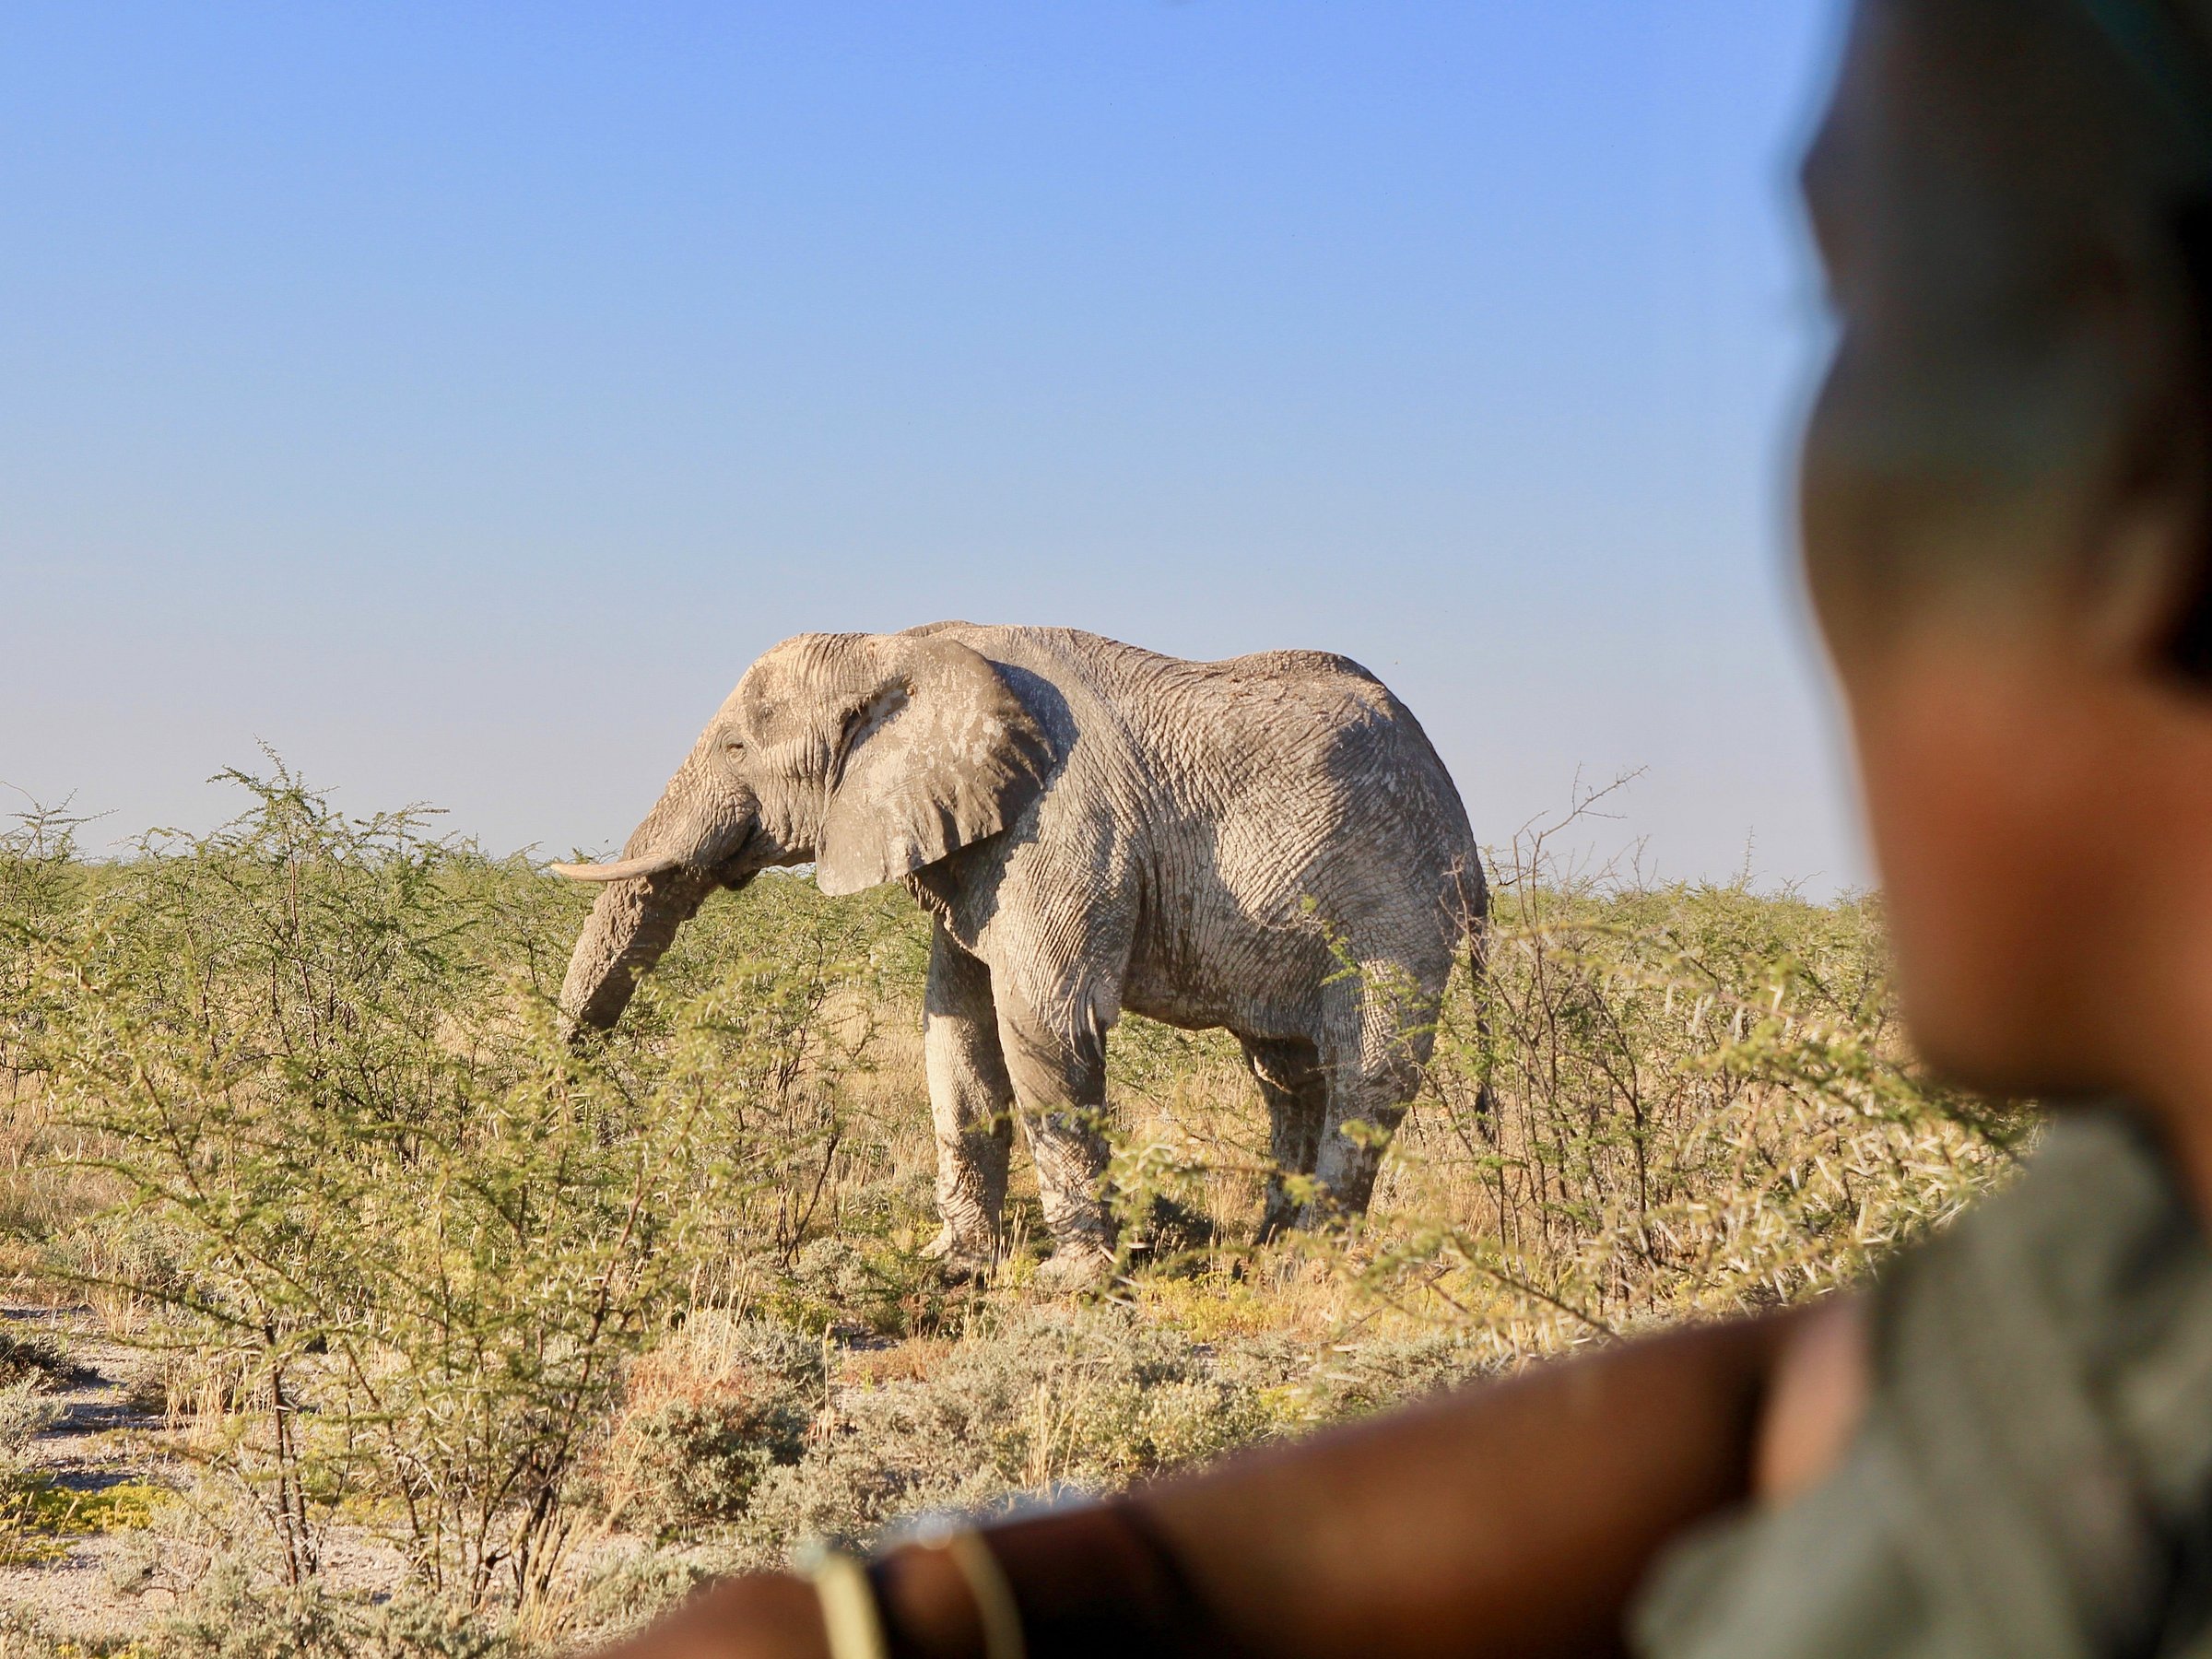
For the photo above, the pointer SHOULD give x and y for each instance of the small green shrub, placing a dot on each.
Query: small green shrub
(871, 1284)
(26, 1409)
(23, 1635)
(44, 1505)
(229, 1615)
(706, 1415)
(1048, 1399)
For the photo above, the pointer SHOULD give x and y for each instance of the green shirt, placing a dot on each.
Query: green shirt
(2033, 1475)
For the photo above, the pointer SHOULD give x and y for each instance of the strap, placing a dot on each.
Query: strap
(995, 1607)
(852, 1622)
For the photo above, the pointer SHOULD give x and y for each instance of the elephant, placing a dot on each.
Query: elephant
(1268, 844)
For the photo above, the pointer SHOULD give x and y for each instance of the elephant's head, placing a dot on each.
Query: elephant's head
(872, 755)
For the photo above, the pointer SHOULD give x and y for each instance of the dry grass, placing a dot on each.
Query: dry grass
(261, 1075)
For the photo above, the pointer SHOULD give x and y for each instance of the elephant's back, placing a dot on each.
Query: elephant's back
(1291, 749)
(1274, 730)
(1277, 703)
(1289, 723)
(1291, 664)
(1242, 799)
(1289, 778)
(1302, 816)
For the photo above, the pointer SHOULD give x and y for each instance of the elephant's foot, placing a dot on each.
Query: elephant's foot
(1075, 1265)
(959, 1259)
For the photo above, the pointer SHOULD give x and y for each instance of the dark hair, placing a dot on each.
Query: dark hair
(2168, 58)
(2049, 218)
(2171, 63)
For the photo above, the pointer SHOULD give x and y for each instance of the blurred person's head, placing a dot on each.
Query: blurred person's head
(2007, 508)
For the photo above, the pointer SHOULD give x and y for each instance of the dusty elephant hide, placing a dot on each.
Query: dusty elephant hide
(1094, 828)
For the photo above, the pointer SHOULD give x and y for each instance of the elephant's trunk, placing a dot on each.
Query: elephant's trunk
(632, 924)
(671, 862)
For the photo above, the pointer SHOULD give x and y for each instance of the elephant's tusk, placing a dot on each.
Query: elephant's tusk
(621, 870)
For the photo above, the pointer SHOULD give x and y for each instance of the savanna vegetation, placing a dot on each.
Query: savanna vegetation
(420, 1333)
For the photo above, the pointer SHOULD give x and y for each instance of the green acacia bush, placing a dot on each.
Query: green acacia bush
(403, 1234)
(43, 884)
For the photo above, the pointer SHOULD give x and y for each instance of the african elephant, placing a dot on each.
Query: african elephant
(1093, 828)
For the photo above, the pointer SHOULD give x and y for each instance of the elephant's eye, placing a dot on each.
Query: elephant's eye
(732, 749)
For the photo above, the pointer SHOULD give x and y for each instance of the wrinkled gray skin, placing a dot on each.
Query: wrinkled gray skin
(1093, 828)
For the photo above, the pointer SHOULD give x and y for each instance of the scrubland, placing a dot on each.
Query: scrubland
(350, 1310)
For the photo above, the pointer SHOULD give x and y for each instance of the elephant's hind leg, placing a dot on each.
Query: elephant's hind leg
(1373, 1066)
(970, 1101)
(1288, 1072)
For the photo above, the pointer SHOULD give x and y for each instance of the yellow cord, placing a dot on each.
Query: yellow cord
(850, 1619)
(999, 1612)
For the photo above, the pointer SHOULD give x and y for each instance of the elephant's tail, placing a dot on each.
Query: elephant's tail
(1475, 925)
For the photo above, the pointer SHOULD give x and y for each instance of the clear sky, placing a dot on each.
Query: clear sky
(458, 396)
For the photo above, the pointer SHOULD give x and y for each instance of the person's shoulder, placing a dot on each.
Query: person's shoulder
(2094, 1206)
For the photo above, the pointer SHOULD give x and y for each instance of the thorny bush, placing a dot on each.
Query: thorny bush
(407, 1238)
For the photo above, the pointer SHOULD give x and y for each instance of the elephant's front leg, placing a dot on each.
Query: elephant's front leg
(1059, 1076)
(971, 1102)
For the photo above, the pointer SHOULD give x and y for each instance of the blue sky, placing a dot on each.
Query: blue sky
(459, 396)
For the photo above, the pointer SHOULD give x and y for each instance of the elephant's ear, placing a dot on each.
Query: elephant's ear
(941, 753)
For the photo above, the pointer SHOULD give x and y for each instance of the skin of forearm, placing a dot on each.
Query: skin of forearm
(1516, 1518)
(1512, 1518)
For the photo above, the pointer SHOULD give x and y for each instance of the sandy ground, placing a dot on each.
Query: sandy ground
(106, 1588)
(110, 1585)
(99, 1585)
